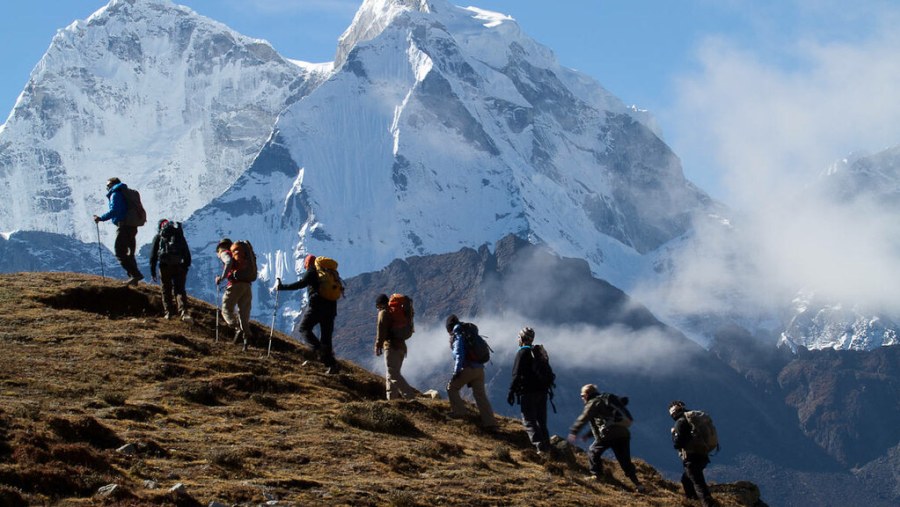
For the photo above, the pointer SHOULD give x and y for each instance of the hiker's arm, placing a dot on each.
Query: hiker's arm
(381, 331)
(681, 433)
(227, 261)
(117, 207)
(582, 420)
(302, 282)
(459, 354)
(187, 254)
(517, 381)
(154, 256)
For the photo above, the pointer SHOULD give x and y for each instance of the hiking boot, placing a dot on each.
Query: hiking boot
(134, 279)
(186, 317)
(167, 316)
(333, 370)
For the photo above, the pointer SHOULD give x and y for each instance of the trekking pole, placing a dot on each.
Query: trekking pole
(216, 307)
(100, 250)
(274, 313)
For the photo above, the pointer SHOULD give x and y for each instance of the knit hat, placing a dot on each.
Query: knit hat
(526, 335)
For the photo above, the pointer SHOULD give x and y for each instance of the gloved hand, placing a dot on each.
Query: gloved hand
(511, 398)
(278, 285)
(378, 350)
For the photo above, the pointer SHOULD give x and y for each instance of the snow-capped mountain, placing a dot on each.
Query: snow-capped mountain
(869, 185)
(444, 127)
(175, 104)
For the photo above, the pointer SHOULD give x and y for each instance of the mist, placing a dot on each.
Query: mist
(778, 126)
(649, 352)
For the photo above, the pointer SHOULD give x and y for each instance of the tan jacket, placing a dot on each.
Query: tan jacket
(383, 333)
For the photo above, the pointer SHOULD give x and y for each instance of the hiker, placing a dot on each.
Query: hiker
(126, 227)
(693, 453)
(321, 308)
(609, 420)
(170, 248)
(237, 293)
(391, 341)
(532, 381)
(467, 371)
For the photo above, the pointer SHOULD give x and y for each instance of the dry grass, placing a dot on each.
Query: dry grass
(88, 366)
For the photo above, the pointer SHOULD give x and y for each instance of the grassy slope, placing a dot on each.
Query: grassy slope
(87, 366)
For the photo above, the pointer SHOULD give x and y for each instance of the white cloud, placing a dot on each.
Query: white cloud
(772, 117)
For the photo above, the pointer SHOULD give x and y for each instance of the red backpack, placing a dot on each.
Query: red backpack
(400, 309)
(245, 261)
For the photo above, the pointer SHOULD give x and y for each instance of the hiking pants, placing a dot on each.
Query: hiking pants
(241, 295)
(534, 418)
(394, 383)
(172, 280)
(321, 345)
(621, 446)
(474, 378)
(125, 246)
(692, 479)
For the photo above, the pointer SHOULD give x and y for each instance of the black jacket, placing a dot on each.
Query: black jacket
(317, 303)
(523, 378)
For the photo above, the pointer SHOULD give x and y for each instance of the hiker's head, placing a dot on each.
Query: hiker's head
(588, 391)
(162, 223)
(526, 336)
(224, 244)
(676, 409)
(381, 301)
(452, 321)
(308, 261)
(112, 182)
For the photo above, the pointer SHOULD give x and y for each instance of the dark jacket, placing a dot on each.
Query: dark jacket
(596, 412)
(681, 440)
(154, 250)
(118, 205)
(523, 378)
(317, 303)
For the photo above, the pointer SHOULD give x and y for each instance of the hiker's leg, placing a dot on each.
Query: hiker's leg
(693, 468)
(165, 282)
(481, 399)
(622, 449)
(326, 330)
(121, 248)
(308, 321)
(229, 300)
(179, 279)
(131, 250)
(595, 458)
(529, 404)
(393, 360)
(541, 419)
(245, 302)
(687, 484)
(457, 405)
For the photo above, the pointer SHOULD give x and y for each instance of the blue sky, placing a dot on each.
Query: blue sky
(748, 93)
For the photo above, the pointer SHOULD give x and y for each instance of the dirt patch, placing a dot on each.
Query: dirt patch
(113, 302)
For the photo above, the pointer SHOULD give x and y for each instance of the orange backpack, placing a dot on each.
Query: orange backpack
(400, 309)
(245, 261)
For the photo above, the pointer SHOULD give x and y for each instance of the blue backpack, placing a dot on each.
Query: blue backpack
(477, 349)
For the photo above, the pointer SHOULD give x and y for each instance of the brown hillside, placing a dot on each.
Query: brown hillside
(88, 367)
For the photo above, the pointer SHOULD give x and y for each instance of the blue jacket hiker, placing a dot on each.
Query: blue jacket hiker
(466, 372)
(126, 242)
